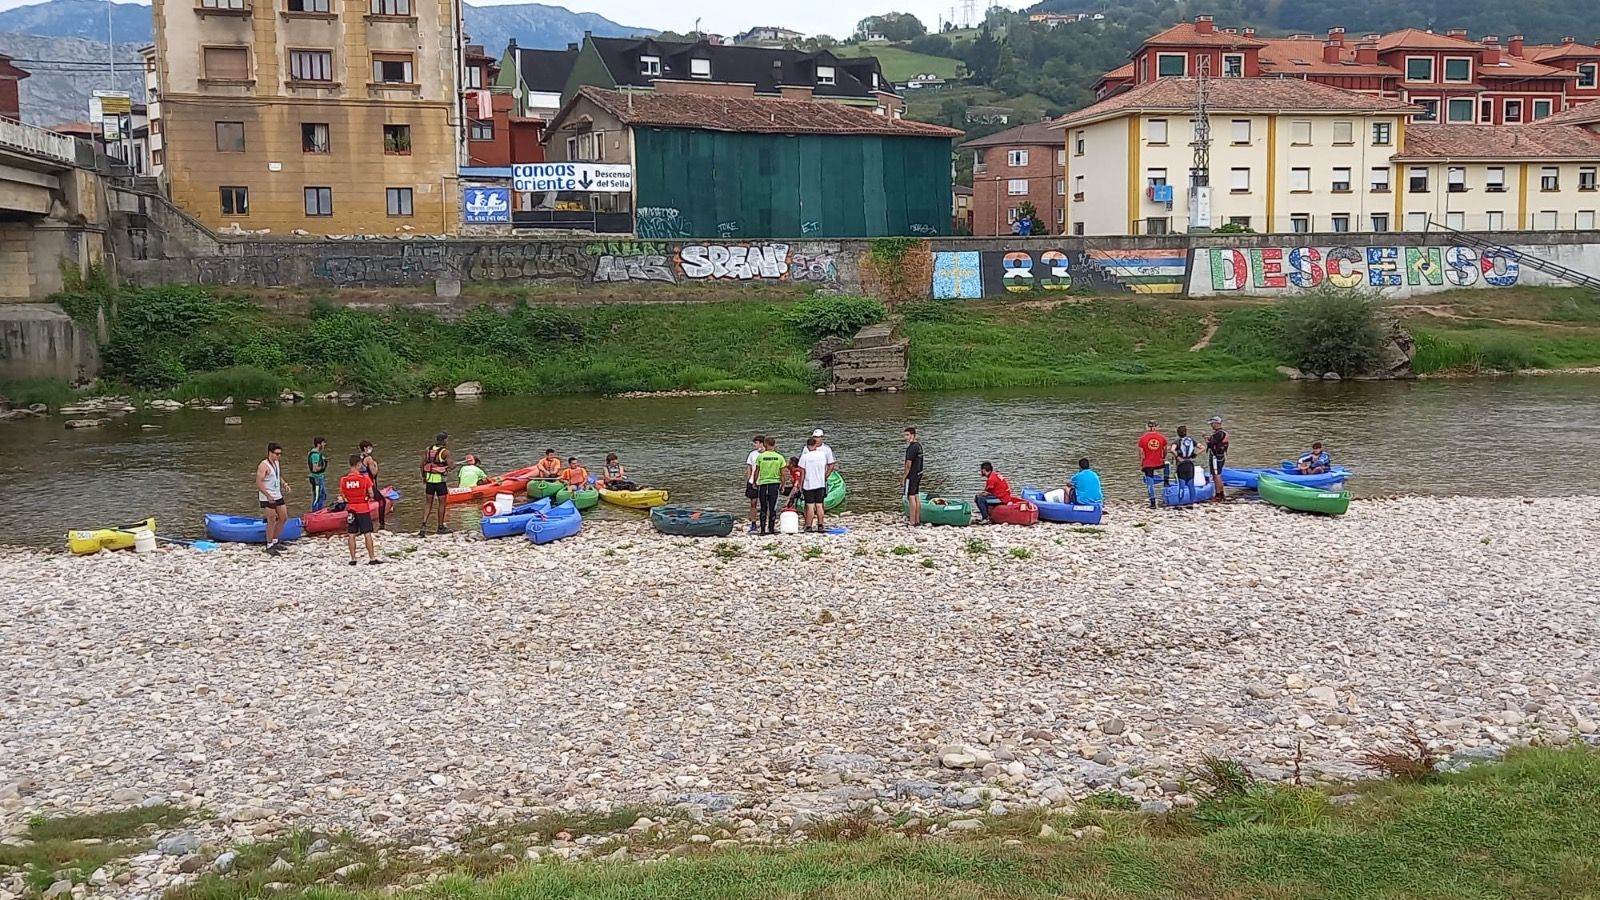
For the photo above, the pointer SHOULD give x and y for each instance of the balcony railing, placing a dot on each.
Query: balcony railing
(37, 141)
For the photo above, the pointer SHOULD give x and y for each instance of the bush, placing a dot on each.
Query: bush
(238, 382)
(1332, 331)
(378, 373)
(835, 316)
(52, 392)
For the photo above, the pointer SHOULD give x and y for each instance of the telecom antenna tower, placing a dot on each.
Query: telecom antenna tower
(1200, 169)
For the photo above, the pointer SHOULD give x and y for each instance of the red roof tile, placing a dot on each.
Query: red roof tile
(1563, 51)
(1031, 133)
(1417, 39)
(1585, 114)
(1492, 142)
(1236, 95)
(1184, 34)
(1280, 55)
(752, 115)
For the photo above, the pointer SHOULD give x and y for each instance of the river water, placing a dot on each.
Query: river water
(1528, 436)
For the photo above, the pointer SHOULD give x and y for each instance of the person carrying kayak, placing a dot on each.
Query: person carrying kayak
(614, 477)
(271, 491)
(996, 490)
(1084, 487)
(435, 466)
(548, 466)
(472, 474)
(1184, 452)
(575, 476)
(1317, 462)
(1153, 460)
(317, 462)
(369, 468)
(1217, 453)
(357, 490)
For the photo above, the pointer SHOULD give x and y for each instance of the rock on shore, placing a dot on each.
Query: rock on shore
(935, 670)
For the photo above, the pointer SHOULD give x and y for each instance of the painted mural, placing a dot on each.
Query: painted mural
(974, 274)
(1404, 269)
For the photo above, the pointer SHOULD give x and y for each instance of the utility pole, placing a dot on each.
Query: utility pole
(1200, 168)
(111, 47)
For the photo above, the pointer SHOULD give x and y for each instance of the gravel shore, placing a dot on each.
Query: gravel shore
(760, 679)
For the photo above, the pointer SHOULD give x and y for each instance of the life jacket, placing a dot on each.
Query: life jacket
(433, 470)
(1187, 449)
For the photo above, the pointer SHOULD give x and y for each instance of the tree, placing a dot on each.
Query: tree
(894, 26)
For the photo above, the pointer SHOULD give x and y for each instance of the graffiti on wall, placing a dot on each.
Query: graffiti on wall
(628, 261)
(1154, 271)
(818, 267)
(661, 222)
(972, 274)
(957, 275)
(1299, 268)
(741, 262)
(418, 263)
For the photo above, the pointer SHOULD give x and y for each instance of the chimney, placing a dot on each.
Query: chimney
(1330, 52)
(1372, 37)
(1491, 49)
(1249, 32)
(1457, 33)
(1569, 39)
(572, 45)
(1336, 36)
(1367, 54)
(1230, 31)
(1514, 45)
(1204, 25)
(511, 44)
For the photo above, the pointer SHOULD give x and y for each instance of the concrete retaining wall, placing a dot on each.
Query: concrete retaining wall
(39, 340)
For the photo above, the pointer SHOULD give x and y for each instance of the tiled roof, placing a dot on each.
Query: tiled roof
(1031, 133)
(545, 71)
(1236, 95)
(1184, 34)
(751, 115)
(1417, 39)
(768, 68)
(1512, 67)
(1586, 114)
(1492, 142)
(1562, 51)
(1122, 71)
(1291, 56)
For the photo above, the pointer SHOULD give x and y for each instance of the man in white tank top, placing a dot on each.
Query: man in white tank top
(270, 492)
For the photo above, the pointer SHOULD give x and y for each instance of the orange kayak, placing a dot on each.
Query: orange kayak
(513, 482)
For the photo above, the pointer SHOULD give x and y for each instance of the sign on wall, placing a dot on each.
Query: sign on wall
(602, 178)
(486, 206)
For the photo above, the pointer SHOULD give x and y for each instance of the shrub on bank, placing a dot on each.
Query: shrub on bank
(1332, 331)
(1471, 354)
(840, 316)
(238, 382)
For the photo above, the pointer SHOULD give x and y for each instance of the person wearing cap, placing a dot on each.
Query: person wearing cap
(1217, 453)
(822, 444)
(472, 474)
(1153, 460)
(435, 466)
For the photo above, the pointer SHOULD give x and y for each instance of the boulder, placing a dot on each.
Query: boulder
(469, 389)
(87, 423)
(233, 420)
(1290, 372)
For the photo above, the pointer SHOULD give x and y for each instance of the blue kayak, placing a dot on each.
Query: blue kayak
(515, 521)
(246, 530)
(554, 524)
(1068, 513)
(1251, 478)
(1172, 495)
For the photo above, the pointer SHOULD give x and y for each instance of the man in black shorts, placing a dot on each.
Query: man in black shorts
(911, 478)
(757, 444)
(356, 489)
(1217, 453)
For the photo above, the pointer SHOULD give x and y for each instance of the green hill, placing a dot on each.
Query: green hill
(900, 64)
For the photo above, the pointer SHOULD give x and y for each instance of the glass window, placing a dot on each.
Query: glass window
(1172, 65)
(1300, 132)
(474, 77)
(1241, 181)
(392, 68)
(1299, 179)
(1588, 75)
(1586, 178)
(227, 63)
(1459, 110)
(235, 201)
(649, 65)
(1341, 180)
(1419, 68)
(1017, 186)
(1455, 178)
(481, 130)
(230, 137)
(1430, 110)
(308, 6)
(399, 201)
(1061, 187)
(223, 4)
(315, 138)
(1382, 132)
(1241, 131)
(1496, 220)
(1380, 222)
(311, 65)
(1016, 158)
(1077, 186)
(699, 68)
(1155, 131)
(1418, 180)
(1061, 157)
(1344, 133)
(1233, 65)
(1241, 221)
(1550, 178)
(1542, 109)
(1077, 147)
(1494, 180)
(825, 75)
(1157, 225)
(1380, 179)
(1300, 223)
(1077, 228)
(319, 201)
(391, 7)
(1486, 111)
(1340, 222)
(397, 139)
(1513, 111)
(1155, 177)
(1458, 69)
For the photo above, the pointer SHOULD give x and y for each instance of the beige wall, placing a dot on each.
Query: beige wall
(588, 118)
(1101, 174)
(1478, 209)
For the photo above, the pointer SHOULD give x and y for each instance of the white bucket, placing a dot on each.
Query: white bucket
(144, 541)
(1199, 478)
(504, 503)
(789, 522)
(1059, 495)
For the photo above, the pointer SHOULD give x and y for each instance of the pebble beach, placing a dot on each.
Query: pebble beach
(776, 681)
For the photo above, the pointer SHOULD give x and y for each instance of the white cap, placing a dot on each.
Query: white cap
(817, 433)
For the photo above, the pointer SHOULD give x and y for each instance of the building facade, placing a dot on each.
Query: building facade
(312, 115)
(1025, 164)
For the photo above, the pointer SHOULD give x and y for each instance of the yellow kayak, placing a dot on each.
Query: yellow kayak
(635, 499)
(93, 541)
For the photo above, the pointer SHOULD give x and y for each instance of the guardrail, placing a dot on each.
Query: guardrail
(39, 142)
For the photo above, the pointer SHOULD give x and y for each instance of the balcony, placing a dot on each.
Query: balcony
(237, 8)
(38, 142)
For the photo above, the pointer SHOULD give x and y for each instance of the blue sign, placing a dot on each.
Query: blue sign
(1163, 193)
(486, 206)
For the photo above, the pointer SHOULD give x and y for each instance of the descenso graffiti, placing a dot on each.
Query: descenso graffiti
(1300, 268)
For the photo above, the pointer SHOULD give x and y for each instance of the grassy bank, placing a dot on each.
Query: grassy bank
(1475, 331)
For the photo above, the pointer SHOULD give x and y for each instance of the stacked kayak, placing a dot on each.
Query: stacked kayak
(1067, 513)
(1278, 492)
(635, 499)
(512, 482)
(324, 521)
(684, 521)
(586, 498)
(553, 524)
(1250, 478)
(544, 487)
(93, 540)
(245, 530)
(1173, 495)
(515, 521)
(834, 498)
(1020, 512)
(939, 511)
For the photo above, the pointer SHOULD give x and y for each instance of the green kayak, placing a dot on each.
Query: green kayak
(583, 499)
(540, 488)
(1303, 499)
(684, 521)
(835, 496)
(939, 511)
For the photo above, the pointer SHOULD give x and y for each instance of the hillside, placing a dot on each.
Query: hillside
(64, 72)
(900, 64)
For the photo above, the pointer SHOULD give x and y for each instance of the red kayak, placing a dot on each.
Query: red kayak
(326, 521)
(512, 482)
(1017, 513)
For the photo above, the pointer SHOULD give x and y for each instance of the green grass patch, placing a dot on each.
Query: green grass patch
(900, 64)
(52, 392)
(71, 847)
(1473, 351)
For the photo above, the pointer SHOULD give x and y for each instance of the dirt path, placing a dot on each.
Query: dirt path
(1205, 339)
(1440, 312)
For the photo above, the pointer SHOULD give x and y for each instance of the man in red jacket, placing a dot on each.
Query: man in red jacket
(1153, 459)
(996, 490)
(356, 489)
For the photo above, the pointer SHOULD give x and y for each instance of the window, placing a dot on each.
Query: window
(1585, 220)
(650, 65)
(474, 77)
(1241, 181)
(1016, 158)
(1494, 181)
(1496, 220)
(1300, 133)
(1586, 178)
(1458, 69)
(1380, 179)
(310, 65)
(1013, 214)
(1344, 134)
(1550, 178)
(1155, 131)
(701, 68)
(314, 137)
(230, 137)
(1241, 221)
(1340, 222)
(1299, 180)
(399, 201)
(1430, 110)
(391, 7)
(319, 201)
(1157, 225)
(1513, 111)
(1341, 180)
(1061, 157)
(1380, 222)
(1077, 145)
(1061, 187)
(480, 130)
(1459, 109)
(1241, 131)
(1545, 220)
(156, 157)
(1455, 179)
(235, 201)
(1419, 68)
(1455, 220)
(1077, 187)
(1542, 109)
(1300, 223)
(1486, 111)
(1589, 75)
(397, 139)
(1382, 132)
(1233, 65)
(223, 4)
(1417, 221)
(978, 165)
(392, 68)
(1017, 186)
(1172, 65)
(1077, 228)
(1061, 217)
(227, 63)
(825, 75)
(308, 6)
(1418, 180)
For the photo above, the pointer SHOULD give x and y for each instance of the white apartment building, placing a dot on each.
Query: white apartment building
(1543, 177)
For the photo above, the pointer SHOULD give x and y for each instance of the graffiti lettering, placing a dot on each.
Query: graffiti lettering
(922, 228)
(1274, 268)
(627, 248)
(727, 229)
(818, 267)
(661, 222)
(633, 268)
(738, 261)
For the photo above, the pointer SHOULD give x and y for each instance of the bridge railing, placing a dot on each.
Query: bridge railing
(37, 141)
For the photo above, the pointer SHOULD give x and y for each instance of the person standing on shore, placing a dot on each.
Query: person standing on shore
(357, 490)
(757, 444)
(822, 443)
(1184, 452)
(814, 462)
(271, 492)
(1153, 459)
(435, 466)
(369, 468)
(317, 462)
(1217, 454)
(911, 478)
(769, 475)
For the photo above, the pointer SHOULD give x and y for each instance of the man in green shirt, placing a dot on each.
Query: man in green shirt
(317, 462)
(472, 474)
(769, 473)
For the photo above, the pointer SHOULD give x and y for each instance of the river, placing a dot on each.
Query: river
(1527, 436)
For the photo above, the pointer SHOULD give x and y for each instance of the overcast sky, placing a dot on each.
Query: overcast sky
(835, 17)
